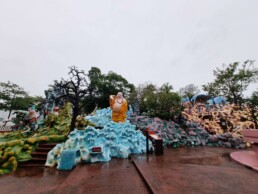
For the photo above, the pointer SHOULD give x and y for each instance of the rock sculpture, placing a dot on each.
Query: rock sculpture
(113, 140)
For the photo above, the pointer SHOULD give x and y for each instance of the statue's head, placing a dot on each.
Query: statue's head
(119, 95)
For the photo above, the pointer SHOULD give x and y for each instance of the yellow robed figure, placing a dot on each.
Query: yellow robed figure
(118, 104)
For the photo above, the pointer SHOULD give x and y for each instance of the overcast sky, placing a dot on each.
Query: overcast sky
(175, 41)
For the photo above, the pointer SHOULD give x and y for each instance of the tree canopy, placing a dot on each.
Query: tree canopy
(188, 91)
(159, 101)
(101, 86)
(232, 80)
(144, 91)
(252, 102)
(85, 91)
(74, 90)
(13, 97)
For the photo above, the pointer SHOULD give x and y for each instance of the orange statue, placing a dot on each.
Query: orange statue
(118, 104)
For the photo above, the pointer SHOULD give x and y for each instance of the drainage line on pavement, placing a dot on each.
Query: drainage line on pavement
(141, 175)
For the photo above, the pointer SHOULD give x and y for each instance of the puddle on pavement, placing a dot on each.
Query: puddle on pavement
(213, 160)
(37, 172)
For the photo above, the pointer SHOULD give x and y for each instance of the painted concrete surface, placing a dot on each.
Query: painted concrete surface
(196, 170)
(184, 170)
(116, 176)
(247, 158)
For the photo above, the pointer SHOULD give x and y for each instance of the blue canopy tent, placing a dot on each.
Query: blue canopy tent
(187, 99)
(217, 100)
(200, 98)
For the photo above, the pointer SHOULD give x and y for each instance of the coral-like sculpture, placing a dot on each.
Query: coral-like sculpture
(113, 140)
(219, 119)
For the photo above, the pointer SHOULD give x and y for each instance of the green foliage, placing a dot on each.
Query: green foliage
(254, 98)
(145, 92)
(86, 91)
(17, 146)
(51, 120)
(166, 106)
(59, 124)
(254, 108)
(94, 89)
(82, 123)
(116, 83)
(13, 97)
(37, 101)
(14, 136)
(188, 91)
(232, 80)
(101, 86)
(159, 102)
(19, 150)
(74, 91)
(20, 115)
(166, 88)
(211, 89)
(252, 103)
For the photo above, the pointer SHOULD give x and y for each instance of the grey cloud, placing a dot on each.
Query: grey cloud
(179, 42)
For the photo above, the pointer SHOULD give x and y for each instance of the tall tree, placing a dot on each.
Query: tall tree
(116, 83)
(13, 97)
(232, 80)
(74, 90)
(101, 86)
(253, 105)
(159, 101)
(144, 91)
(169, 105)
(166, 87)
(94, 88)
(163, 102)
(212, 89)
(188, 91)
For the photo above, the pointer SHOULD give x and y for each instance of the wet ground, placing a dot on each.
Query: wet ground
(116, 176)
(196, 170)
(185, 170)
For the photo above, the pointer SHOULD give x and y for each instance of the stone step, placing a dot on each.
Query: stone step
(46, 150)
(47, 145)
(31, 164)
(34, 161)
(39, 154)
(37, 160)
